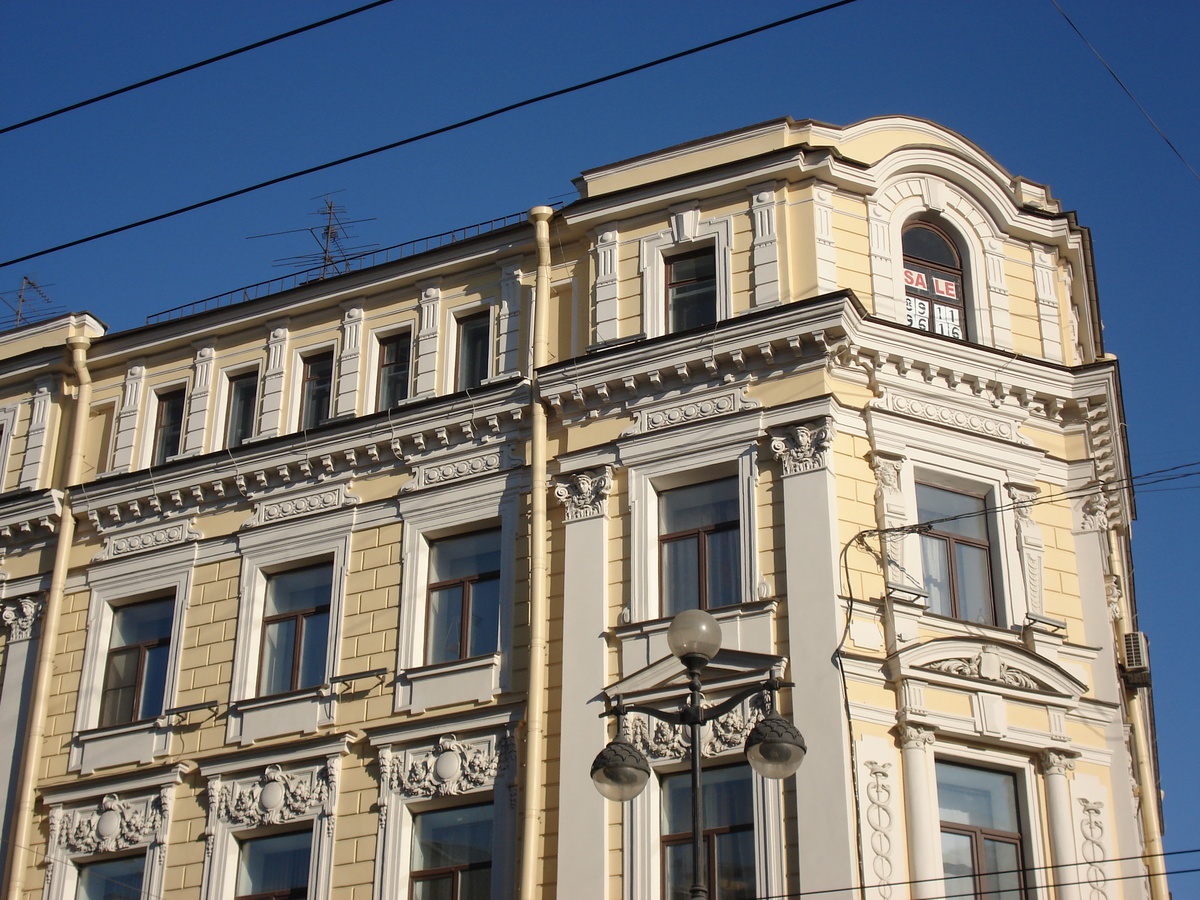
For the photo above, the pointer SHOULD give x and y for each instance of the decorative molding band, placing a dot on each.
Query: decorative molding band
(169, 535)
(711, 406)
(19, 614)
(660, 741)
(449, 768)
(804, 448)
(299, 504)
(988, 426)
(273, 798)
(880, 819)
(988, 666)
(585, 494)
(433, 474)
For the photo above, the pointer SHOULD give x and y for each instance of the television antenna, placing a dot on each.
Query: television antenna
(333, 254)
(30, 292)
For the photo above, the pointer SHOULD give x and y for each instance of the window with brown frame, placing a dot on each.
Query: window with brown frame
(691, 290)
(464, 597)
(168, 425)
(295, 629)
(956, 555)
(981, 833)
(474, 350)
(395, 353)
(316, 390)
(699, 546)
(934, 290)
(274, 866)
(452, 854)
(241, 408)
(135, 671)
(728, 799)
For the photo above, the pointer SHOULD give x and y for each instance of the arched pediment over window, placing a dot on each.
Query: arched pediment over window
(993, 663)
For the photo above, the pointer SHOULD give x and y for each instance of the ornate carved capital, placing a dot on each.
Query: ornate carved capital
(1095, 511)
(887, 473)
(804, 448)
(19, 614)
(584, 494)
(916, 737)
(1054, 762)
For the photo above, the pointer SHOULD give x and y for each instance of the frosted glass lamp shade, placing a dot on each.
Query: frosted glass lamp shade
(774, 747)
(694, 632)
(620, 771)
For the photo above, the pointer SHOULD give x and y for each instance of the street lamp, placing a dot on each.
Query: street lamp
(774, 747)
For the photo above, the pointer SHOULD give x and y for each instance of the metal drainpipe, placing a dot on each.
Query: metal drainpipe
(40, 689)
(533, 813)
(1138, 723)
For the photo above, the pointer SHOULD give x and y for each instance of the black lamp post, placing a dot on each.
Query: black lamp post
(774, 747)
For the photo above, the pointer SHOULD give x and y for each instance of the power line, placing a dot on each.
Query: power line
(1127, 91)
(641, 67)
(196, 65)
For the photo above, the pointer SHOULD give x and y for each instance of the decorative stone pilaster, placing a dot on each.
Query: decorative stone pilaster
(924, 856)
(804, 448)
(425, 381)
(1029, 544)
(349, 362)
(606, 288)
(508, 319)
(198, 401)
(37, 434)
(997, 293)
(1055, 765)
(883, 279)
(20, 614)
(822, 206)
(127, 415)
(585, 494)
(764, 248)
(270, 417)
(1045, 276)
(891, 511)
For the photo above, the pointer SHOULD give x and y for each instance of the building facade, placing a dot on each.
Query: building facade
(326, 591)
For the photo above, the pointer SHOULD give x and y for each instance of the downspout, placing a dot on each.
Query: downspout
(31, 757)
(1139, 720)
(533, 813)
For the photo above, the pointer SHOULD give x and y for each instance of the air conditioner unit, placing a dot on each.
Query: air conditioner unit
(1135, 667)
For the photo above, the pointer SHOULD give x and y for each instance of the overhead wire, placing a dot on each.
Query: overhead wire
(425, 135)
(192, 66)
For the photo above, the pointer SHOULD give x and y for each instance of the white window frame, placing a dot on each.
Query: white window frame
(299, 355)
(115, 584)
(152, 404)
(643, 830)
(688, 233)
(490, 734)
(265, 551)
(427, 516)
(375, 352)
(454, 318)
(221, 411)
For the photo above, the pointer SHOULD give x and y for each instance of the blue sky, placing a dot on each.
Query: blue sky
(1010, 76)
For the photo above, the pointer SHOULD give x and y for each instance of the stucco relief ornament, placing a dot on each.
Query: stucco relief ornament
(453, 767)
(986, 665)
(916, 737)
(274, 798)
(1091, 828)
(585, 493)
(804, 448)
(19, 615)
(1095, 511)
(879, 818)
(661, 741)
(113, 825)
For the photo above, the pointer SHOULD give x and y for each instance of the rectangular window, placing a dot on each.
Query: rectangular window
(691, 290)
(699, 546)
(295, 629)
(981, 833)
(474, 350)
(135, 673)
(395, 353)
(728, 834)
(956, 555)
(168, 426)
(452, 854)
(316, 391)
(464, 597)
(112, 879)
(242, 406)
(274, 867)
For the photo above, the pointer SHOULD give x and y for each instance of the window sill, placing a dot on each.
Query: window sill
(258, 718)
(460, 681)
(748, 627)
(116, 745)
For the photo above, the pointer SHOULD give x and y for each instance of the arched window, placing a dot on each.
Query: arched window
(934, 292)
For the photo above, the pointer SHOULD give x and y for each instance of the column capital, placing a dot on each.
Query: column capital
(19, 614)
(915, 737)
(804, 447)
(1056, 762)
(585, 494)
